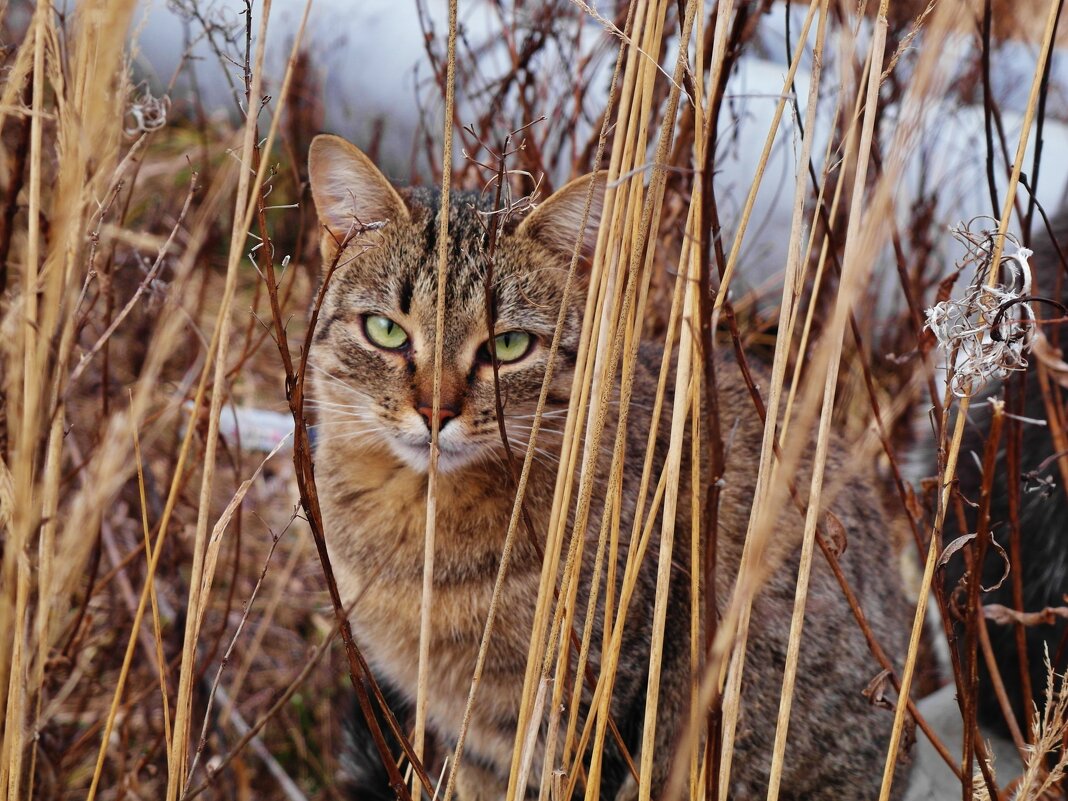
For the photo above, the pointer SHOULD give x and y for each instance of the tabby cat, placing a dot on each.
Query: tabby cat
(372, 362)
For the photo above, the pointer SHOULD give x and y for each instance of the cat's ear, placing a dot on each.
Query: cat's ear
(557, 222)
(349, 189)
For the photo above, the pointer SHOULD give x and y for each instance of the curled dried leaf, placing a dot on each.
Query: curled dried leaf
(908, 740)
(1005, 561)
(1004, 616)
(835, 533)
(880, 691)
(952, 548)
(912, 503)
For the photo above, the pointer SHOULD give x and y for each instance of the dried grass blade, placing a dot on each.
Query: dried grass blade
(430, 533)
(157, 628)
(794, 267)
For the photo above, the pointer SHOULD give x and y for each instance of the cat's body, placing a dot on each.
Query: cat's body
(371, 461)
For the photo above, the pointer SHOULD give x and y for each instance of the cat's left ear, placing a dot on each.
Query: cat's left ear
(557, 222)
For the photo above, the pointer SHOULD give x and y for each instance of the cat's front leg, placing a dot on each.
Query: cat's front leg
(475, 782)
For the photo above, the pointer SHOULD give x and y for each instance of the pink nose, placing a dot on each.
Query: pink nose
(445, 414)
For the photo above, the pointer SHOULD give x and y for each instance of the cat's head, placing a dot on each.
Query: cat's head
(372, 361)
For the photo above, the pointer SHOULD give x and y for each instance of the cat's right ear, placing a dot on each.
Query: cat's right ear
(348, 189)
(557, 221)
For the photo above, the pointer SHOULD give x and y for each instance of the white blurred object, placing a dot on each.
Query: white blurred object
(372, 60)
(931, 779)
(255, 429)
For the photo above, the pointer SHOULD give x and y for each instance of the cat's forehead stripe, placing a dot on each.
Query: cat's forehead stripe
(466, 261)
(407, 287)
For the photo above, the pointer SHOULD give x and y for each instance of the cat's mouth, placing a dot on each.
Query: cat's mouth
(416, 455)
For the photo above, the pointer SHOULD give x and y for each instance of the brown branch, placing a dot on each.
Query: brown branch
(968, 699)
(275, 708)
(359, 672)
(213, 691)
(1015, 395)
(141, 288)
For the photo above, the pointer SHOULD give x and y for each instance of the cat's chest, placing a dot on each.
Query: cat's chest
(375, 518)
(376, 525)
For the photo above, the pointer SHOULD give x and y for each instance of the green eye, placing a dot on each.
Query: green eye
(384, 332)
(511, 346)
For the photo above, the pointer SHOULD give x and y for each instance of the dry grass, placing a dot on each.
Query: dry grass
(171, 631)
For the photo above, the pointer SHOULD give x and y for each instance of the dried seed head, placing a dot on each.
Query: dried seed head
(987, 331)
(146, 112)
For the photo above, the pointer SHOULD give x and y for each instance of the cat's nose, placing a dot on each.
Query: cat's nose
(445, 414)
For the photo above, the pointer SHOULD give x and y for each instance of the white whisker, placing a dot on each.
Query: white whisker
(349, 435)
(340, 382)
(359, 415)
(317, 402)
